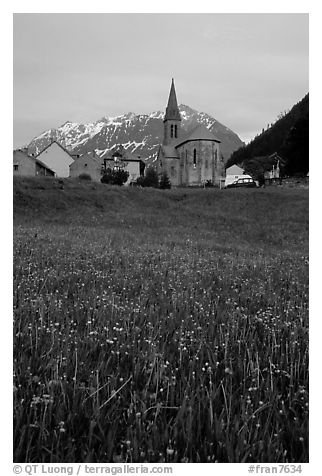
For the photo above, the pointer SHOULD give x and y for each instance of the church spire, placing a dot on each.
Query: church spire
(172, 111)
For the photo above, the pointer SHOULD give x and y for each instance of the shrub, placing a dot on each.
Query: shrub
(115, 177)
(139, 182)
(164, 181)
(150, 179)
(84, 177)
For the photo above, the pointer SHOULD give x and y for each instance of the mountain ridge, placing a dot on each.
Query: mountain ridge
(139, 133)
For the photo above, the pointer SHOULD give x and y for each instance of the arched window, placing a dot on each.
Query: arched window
(175, 131)
(194, 158)
(206, 164)
(171, 134)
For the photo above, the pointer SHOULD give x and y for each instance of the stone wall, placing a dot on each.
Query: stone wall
(172, 168)
(167, 139)
(184, 171)
(206, 167)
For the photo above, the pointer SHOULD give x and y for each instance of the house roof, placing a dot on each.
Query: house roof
(200, 132)
(124, 154)
(234, 170)
(42, 164)
(87, 156)
(23, 152)
(50, 144)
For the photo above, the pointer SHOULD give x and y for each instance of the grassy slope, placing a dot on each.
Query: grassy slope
(199, 297)
(226, 217)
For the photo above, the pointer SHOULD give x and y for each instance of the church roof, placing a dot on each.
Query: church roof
(200, 132)
(169, 151)
(172, 111)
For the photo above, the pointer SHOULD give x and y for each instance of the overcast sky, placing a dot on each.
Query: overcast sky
(243, 69)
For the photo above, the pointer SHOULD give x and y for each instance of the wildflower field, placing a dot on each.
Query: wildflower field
(159, 326)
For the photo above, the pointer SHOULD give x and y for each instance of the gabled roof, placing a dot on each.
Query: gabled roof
(87, 156)
(200, 132)
(234, 170)
(50, 144)
(172, 111)
(43, 165)
(22, 151)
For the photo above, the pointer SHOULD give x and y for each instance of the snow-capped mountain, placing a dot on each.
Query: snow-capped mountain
(140, 134)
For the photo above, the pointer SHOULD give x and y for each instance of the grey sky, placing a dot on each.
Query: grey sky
(243, 69)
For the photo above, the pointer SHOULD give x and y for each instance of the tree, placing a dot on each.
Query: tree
(115, 177)
(289, 143)
(255, 169)
(296, 148)
(150, 179)
(164, 181)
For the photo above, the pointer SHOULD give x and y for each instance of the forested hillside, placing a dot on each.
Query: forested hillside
(288, 136)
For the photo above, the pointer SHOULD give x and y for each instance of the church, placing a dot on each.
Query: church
(190, 159)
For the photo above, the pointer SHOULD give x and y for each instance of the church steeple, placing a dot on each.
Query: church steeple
(172, 110)
(172, 118)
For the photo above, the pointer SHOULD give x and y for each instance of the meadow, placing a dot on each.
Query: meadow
(159, 326)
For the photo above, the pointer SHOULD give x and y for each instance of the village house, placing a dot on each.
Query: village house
(190, 159)
(94, 166)
(123, 159)
(29, 166)
(233, 173)
(88, 164)
(57, 158)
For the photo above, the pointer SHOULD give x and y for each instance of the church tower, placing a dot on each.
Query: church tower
(172, 119)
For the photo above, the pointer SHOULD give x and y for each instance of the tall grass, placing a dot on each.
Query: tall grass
(173, 332)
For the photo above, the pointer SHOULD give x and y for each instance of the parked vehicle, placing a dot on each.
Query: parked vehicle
(243, 182)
